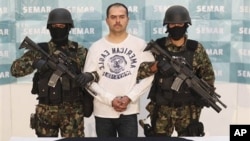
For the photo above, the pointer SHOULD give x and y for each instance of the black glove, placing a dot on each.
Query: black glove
(84, 78)
(195, 128)
(165, 68)
(44, 65)
(40, 64)
(203, 102)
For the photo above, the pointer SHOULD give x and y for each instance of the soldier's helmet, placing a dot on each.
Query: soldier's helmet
(176, 14)
(60, 15)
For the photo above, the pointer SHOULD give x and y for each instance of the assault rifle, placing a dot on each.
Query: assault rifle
(61, 64)
(186, 75)
(57, 61)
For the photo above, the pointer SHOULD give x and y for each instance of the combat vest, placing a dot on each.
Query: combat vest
(65, 90)
(161, 91)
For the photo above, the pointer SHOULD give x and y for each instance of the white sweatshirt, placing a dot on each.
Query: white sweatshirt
(117, 66)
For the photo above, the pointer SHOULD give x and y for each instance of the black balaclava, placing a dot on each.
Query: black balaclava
(177, 32)
(59, 35)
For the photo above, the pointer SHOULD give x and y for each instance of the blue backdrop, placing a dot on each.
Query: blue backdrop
(222, 26)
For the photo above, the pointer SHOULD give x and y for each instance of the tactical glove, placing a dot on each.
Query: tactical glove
(165, 68)
(41, 65)
(44, 65)
(195, 128)
(84, 78)
(202, 102)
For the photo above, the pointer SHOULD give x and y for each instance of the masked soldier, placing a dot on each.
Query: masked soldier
(60, 107)
(177, 110)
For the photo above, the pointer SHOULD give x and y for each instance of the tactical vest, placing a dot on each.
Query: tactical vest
(161, 91)
(65, 90)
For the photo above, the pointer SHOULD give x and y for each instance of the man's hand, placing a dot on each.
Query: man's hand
(117, 105)
(40, 64)
(84, 78)
(44, 65)
(165, 68)
(125, 101)
(120, 103)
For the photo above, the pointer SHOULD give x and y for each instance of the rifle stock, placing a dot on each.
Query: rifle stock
(29, 44)
(186, 75)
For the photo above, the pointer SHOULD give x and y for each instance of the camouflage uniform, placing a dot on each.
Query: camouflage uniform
(66, 115)
(172, 117)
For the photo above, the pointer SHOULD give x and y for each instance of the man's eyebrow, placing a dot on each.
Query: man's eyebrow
(118, 15)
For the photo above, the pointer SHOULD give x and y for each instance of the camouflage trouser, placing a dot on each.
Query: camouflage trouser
(66, 117)
(173, 118)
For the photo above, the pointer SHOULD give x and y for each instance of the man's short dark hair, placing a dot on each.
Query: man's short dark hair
(116, 4)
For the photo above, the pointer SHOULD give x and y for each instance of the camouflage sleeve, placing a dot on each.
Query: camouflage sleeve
(23, 66)
(82, 53)
(203, 66)
(146, 69)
